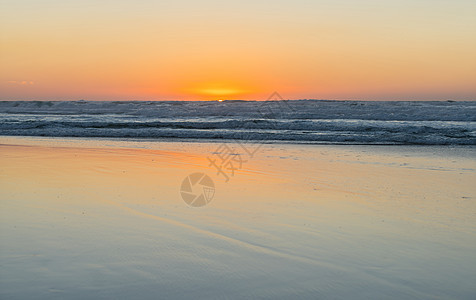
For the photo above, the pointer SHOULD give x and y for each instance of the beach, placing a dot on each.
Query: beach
(104, 218)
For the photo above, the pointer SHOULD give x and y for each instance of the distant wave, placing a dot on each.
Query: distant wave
(340, 122)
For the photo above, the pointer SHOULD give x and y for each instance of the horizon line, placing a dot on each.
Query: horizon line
(235, 100)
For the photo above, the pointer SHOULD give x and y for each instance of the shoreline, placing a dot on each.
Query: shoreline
(218, 140)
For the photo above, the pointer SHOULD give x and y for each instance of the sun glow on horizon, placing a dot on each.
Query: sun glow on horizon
(220, 91)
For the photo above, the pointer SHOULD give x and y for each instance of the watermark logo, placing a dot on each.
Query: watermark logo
(197, 189)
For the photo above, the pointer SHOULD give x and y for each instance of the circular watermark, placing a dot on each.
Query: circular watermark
(197, 189)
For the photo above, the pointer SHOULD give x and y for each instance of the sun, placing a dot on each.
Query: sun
(218, 90)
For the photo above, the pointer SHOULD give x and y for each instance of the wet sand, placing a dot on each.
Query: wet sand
(104, 219)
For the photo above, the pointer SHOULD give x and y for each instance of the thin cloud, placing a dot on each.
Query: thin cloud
(22, 82)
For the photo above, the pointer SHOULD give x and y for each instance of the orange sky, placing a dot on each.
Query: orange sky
(210, 49)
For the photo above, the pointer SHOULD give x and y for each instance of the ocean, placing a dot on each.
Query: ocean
(294, 121)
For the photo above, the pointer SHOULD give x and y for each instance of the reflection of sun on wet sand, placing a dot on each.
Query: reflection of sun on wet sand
(105, 219)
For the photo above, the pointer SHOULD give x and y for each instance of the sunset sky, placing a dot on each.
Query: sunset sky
(216, 49)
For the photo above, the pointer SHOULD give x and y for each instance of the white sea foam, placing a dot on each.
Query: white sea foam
(352, 122)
